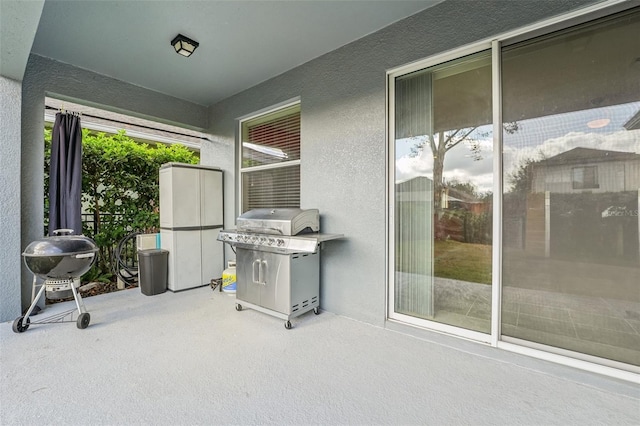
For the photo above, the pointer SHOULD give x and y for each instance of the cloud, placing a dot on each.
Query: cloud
(623, 141)
(536, 139)
(460, 164)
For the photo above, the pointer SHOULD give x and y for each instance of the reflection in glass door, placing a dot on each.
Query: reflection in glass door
(443, 149)
(571, 255)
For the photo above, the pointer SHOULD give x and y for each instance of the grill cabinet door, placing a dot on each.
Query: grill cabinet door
(264, 279)
(275, 293)
(246, 289)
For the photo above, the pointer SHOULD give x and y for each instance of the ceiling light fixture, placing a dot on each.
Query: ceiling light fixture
(184, 45)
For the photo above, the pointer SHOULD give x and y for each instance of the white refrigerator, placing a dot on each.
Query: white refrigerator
(191, 215)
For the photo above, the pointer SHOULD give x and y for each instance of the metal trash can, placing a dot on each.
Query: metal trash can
(153, 271)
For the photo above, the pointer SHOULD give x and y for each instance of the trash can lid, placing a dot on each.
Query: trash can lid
(152, 252)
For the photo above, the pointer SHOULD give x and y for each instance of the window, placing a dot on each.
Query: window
(270, 155)
(585, 177)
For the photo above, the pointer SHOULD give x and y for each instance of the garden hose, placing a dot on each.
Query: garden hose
(128, 274)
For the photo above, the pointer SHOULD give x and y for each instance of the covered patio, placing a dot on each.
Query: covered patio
(190, 358)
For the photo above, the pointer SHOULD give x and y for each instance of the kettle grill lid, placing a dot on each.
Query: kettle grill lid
(60, 245)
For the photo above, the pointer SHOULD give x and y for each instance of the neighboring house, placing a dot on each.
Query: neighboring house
(554, 58)
(584, 204)
(454, 198)
(586, 169)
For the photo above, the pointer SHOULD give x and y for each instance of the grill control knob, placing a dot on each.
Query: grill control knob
(280, 242)
(270, 241)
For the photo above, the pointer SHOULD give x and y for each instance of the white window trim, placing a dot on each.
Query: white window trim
(269, 109)
(240, 120)
(576, 360)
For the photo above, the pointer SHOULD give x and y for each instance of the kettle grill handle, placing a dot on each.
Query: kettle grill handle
(63, 231)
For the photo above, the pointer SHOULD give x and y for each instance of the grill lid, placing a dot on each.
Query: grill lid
(60, 246)
(285, 221)
(60, 256)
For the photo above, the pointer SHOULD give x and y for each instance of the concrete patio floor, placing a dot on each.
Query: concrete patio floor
(189, 358)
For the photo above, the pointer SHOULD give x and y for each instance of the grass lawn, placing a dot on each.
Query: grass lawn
(452, 259)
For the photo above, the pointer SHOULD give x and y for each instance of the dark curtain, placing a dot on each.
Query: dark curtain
(65, 175)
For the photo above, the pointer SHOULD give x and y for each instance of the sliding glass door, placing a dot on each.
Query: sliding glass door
(571, 260)
(565, 275)
(442, 190)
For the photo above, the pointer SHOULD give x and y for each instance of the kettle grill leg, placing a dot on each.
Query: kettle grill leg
(33, 304)
(78, 299)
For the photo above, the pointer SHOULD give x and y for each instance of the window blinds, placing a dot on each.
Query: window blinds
(277, 188)
(270, 169)
(274, 141)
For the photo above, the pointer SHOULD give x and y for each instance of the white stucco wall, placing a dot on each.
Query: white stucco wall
(10, 103)
(344, 148)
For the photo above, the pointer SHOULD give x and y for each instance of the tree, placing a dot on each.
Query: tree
(520, 178)
(440, 144)
(444, 141)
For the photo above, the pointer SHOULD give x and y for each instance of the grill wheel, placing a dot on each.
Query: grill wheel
(18, 327)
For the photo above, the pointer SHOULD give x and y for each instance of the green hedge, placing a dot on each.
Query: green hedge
(119, 188)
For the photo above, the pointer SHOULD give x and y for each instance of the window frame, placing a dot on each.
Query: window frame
(239, 148)
(579, 184)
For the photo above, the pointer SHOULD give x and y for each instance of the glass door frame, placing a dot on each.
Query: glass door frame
(496, 44)
(391, 131)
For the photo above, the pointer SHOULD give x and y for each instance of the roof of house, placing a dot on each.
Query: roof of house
(588, 155)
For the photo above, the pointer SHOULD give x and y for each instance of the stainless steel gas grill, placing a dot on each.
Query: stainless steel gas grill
(278, 261)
